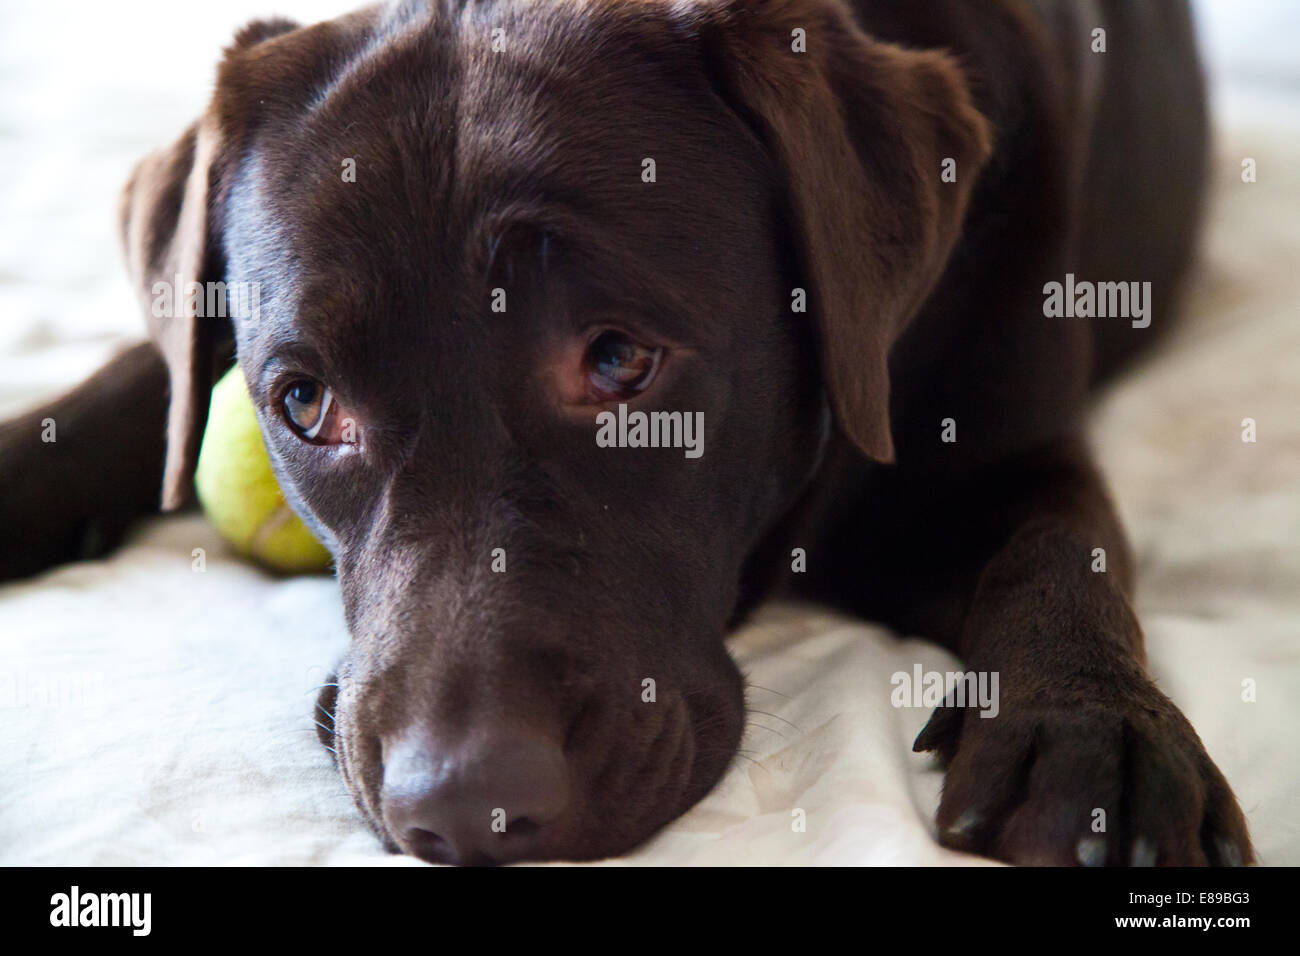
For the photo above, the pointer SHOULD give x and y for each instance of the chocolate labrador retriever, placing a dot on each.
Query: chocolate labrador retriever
(875, 249)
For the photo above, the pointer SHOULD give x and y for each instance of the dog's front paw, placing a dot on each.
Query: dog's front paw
(1088, 779)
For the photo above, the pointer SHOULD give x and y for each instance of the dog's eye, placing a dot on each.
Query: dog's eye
(618, 367)
(312, 412)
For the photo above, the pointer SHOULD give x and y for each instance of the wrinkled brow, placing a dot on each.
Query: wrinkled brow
(540, 243)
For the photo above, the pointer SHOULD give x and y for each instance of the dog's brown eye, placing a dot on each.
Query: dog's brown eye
(618, 367)
(312, 413)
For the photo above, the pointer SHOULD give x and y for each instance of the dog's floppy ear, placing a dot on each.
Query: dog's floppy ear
(165, 228)
(168, 222)
(860, 131)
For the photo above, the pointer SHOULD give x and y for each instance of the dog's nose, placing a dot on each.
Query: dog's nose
(487, 798)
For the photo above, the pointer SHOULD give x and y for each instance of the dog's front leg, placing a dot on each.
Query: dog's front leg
(1084, 761)
(75, 471)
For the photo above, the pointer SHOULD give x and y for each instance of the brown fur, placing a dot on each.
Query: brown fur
(776, 170)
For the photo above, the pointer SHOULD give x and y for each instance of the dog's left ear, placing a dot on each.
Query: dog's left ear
(861, 132)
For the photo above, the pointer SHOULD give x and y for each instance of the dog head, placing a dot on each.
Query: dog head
(486, 239)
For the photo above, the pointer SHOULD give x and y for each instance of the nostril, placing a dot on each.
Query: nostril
(523, 827)
(488, 797)
(427, 845)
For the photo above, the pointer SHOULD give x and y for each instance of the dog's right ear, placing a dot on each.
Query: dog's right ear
(169, 220)
(165, 216)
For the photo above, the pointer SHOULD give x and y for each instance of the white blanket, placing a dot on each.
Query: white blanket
(154, 714)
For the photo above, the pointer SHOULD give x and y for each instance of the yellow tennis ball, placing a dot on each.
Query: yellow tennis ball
(238, 490)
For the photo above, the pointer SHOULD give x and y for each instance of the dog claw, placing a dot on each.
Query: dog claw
(1091, 851)
(940, 732)
(963, 829)
(1144, 852)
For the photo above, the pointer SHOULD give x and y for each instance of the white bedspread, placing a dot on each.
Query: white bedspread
(152, 714)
